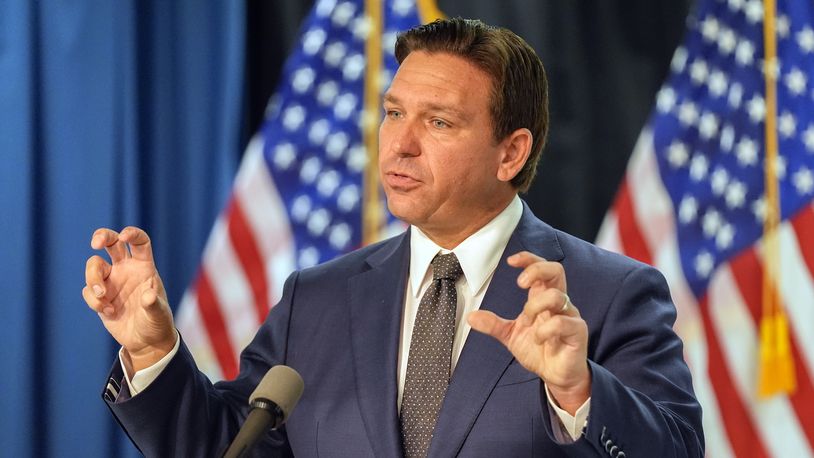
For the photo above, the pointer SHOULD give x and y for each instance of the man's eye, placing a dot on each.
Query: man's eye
(440, 124)
(394, 114)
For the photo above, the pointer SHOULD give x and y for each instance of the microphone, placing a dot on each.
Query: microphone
(271, 403)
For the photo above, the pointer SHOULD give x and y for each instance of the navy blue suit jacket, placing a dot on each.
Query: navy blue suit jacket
(338, 324)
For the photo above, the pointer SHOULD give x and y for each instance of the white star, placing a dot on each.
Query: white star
(318, 131)
(308, 257)
(336, 145)
(666, 99)
(782, 26)
(727, 41)
(310, 169)
(780, 167)
(677, 154)
(357, 158)
(698, 71)
(709, 28)
(348, 198)
(787, 125)
(402, 7)
(687, 113)
(334, 53)
(389, 41)
(300, 208)
(708, 126)
(679, 60)
(808, 138)
(361, 27)
(284, 155)
(303, 79)
(735, 5)
(293, 117)
(698, 167)
(312, 41)
(756, 108)
(717, 83)
(805, 39)
(687, 210)
(324, 7)
(745, 53)
(754, 11)
(724, 237)
(735, 95)
(735, 194)
(796, 81)
(803, 180)
(343, 14)
(727, 138)
(327, 92)
(759, 209)
(339, 236)
(353, 67)
(746, 151)
(328, 182)
(719, 181)
(704, 263)
(318, 221)
(711, 222)
(345, 104)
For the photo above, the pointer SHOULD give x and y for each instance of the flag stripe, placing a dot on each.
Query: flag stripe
(632, 240)
(215, 326)
(804, 227)
(246, 250)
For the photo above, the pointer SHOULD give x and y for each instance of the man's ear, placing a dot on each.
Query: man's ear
(514, 152)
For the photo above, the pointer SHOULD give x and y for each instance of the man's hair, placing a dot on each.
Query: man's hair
(519, 95)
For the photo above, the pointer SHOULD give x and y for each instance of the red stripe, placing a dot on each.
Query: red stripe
(215, 326)
(249, 255)
(803, 224)
(738, 424)
(633, 243)
(748, 272)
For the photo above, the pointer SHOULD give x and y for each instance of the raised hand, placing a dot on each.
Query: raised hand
(129, 297)
(548, 337)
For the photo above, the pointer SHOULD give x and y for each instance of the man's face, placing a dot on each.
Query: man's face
(437, 156)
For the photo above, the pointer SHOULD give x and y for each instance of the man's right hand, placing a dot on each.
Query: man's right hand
(129, 297)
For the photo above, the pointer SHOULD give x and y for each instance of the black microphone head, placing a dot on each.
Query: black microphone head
(281, 385)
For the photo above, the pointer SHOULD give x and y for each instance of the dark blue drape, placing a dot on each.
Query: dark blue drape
(111, 113)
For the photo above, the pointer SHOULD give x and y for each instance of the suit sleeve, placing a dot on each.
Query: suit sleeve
(642, 401)
(183, 414)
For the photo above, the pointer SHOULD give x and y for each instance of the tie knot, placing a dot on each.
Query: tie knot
(446, 266)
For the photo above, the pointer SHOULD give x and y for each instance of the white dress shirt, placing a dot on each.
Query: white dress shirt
(478, 255)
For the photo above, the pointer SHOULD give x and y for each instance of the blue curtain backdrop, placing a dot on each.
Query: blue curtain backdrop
(111, 113)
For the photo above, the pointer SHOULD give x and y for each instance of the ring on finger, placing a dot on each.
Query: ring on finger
(566, 303)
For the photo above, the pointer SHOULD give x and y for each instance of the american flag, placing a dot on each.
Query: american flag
(694, 204)
(299, 196)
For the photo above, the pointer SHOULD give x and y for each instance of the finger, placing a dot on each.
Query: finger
(564, 329)
(96, 272)
(139, 241)
(549, 300)
(550, 274)
(523, 259)
(95, 303)
(490, 324)
(109, 240)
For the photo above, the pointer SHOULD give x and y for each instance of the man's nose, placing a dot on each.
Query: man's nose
(405, 140)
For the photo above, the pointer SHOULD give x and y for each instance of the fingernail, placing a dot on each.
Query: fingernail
(98, 291)
(523, 278)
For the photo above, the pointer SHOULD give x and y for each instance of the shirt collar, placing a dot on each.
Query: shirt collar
(478, 254)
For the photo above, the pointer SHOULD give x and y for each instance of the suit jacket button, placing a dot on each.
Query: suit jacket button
(608, 444)
(620, 455)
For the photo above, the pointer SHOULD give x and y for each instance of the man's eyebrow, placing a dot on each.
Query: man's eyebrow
(390, 98)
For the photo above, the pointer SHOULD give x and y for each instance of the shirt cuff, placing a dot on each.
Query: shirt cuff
(143, 378)
(573, 424)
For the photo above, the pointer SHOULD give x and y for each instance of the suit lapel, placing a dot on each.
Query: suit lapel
(376, 299)
(483, 359)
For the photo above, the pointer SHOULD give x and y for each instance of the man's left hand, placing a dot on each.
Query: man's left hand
(549, 337)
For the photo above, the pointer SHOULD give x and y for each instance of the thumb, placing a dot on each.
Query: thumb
(490, 324)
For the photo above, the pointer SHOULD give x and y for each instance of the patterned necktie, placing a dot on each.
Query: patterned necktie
(429, 362)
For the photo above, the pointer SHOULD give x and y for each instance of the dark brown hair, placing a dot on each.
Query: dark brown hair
(519, 87)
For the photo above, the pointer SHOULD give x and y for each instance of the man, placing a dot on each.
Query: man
(382, 336)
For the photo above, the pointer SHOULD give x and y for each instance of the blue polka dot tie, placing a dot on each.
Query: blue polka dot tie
(429, 361)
